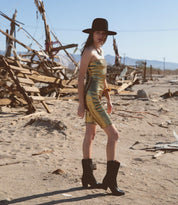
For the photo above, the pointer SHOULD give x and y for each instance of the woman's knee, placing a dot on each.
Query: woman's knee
(114, 137)
(112, 133)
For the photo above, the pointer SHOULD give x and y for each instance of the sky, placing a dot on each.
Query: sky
(146, 29)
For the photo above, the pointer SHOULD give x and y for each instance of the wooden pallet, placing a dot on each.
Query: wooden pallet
(25, 86)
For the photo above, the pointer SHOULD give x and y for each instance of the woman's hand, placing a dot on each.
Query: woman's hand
(81, 111)
(109, 104)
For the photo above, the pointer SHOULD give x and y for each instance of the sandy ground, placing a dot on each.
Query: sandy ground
(31, 152)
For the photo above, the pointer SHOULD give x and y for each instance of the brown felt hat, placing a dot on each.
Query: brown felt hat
(99, 24)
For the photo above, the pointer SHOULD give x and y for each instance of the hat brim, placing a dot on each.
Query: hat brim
(89, 30)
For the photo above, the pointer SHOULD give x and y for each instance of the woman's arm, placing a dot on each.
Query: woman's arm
(85, 59)
(107, 95)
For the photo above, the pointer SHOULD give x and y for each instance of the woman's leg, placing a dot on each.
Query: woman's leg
(87, 142)
(110, 179)
(113, 137)
(88, 178)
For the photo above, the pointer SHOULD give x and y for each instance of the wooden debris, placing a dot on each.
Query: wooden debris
(32, 115)
(24, 86)
(158, 154)
(132, 147)
(169, 94)
(163, 125)
(11, 163)
(150, 123)
(43, 152)
(58, 171)
(167, 147)
(5, 101)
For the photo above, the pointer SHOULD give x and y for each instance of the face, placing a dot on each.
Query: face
(99, 37)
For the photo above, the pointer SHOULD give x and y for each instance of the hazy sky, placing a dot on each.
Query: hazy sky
(147, 29)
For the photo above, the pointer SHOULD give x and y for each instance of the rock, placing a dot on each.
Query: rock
(141, 94)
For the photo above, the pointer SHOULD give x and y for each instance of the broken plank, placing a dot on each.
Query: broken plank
(16, 68)
(69, 90)
(31, 89)
(26, 81)
(67, 98)
(5, 101)
(124, 86)
(22, 101)
(44, 79)
(32, 115)
(58, 68)
(45, 106)
(37, 98)
(43, 152)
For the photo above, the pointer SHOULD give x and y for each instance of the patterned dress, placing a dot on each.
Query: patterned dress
(94, 88)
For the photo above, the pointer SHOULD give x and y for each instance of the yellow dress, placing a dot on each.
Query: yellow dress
(94, 88)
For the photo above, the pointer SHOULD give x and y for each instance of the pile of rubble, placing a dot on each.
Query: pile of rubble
(21, 84)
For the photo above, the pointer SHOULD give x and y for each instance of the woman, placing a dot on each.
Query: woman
(94, 65)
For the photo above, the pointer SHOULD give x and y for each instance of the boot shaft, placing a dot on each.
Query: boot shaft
(112, 168)
(87, 165)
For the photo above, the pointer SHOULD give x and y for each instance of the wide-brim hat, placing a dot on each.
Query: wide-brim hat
(99, 24)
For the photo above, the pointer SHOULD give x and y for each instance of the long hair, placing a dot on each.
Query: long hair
(88, 42)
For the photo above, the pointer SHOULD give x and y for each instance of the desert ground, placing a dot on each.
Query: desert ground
(40, 154)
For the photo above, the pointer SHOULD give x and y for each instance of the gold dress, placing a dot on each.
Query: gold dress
(94, 88)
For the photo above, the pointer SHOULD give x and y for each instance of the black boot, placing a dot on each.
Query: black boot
(87, 177)
(110, 178)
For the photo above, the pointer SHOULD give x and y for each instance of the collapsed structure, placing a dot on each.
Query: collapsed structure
(39, 75)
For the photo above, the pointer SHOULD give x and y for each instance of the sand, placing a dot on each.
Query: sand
(32, 149)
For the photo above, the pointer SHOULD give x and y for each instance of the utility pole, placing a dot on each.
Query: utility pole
(164, 65)
(144, 71)
(124, 58)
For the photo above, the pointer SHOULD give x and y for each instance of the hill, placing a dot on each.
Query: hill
(131, 61)
(110, 61)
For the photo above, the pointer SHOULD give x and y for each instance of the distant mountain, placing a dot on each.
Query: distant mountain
(156, 64)
(110, 61)
(130, 61)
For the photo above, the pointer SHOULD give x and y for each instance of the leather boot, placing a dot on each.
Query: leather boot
(110, 178)
(87, 177)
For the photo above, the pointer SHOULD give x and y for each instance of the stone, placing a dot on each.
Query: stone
(141, 94)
